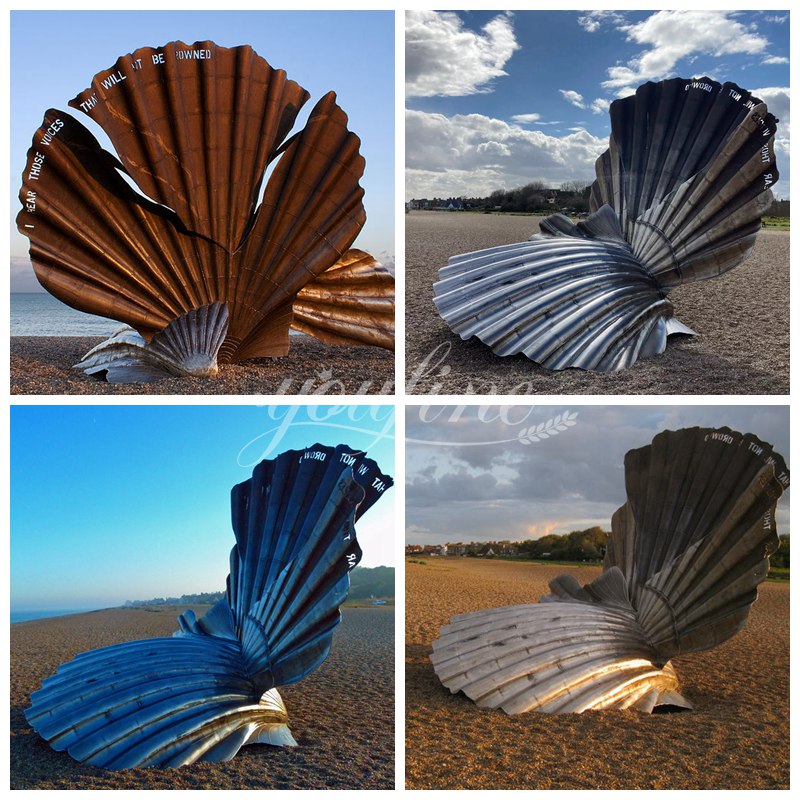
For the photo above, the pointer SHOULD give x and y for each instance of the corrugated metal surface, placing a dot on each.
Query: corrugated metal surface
(680, 193)
(211, 688)
(688, 172)
(562, 302)
(686, 554)
(352, 302)
(189, 345)
(195, 127)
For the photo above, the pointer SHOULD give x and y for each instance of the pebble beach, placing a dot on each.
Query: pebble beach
(342, 715)
(742, 319)
(737, 736)
(43, 365)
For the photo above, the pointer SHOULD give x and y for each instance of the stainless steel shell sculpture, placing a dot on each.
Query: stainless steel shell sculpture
(211, 688)
(678, 197)
(200, 271)
(685, 556)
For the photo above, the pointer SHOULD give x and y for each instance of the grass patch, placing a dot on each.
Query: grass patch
(389, 603)
(780, 574)
(775, 223)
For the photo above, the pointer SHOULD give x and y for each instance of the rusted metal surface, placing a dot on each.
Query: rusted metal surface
(686, 554)
(195, 127)
(211, 688)
(351, 303)
(679, 197)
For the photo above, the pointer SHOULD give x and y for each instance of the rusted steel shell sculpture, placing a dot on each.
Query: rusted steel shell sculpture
(678, 197)
(685, 556)
(196, 127)
(211, 688)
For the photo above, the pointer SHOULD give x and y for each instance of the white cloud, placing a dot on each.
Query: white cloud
(573, 97)
(777, 100)
(526, 118)
(598, 106)
(674, 35)
(472, 154)
(592, 21)
(775, 60)
(493, 149)
(444, 58)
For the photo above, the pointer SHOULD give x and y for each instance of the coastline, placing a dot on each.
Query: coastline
(43, 365)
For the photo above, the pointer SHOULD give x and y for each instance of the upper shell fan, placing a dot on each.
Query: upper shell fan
(195, 127)
(678, 197)
(210, 689)
(685, 556)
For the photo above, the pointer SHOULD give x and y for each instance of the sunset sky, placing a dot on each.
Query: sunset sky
(468, 476)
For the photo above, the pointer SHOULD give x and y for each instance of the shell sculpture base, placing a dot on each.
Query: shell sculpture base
(678, 198)
(685, 556)
(200, 271)
(212, 687)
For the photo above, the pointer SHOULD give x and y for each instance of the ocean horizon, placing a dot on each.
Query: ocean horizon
(41, 314)
(30, 616)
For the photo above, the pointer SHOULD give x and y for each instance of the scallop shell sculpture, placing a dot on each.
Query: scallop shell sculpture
(200, 271)
(685, 556)
(212, 687)
(678, 198)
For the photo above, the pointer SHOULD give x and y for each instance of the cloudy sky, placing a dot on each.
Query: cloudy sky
(498, 100)
(48, 68)
(469, 478)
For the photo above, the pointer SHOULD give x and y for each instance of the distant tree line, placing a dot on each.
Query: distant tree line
(533, 198)
(365, 582)
(780, 558)
(588, 545)
(539, 198)
(779, 208)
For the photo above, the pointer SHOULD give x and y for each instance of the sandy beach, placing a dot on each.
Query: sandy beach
(742, 319)
(43, 365)
(342, 715)
(736, 738)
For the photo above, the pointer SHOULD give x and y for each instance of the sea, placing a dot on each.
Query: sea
(40, 314)
(28, 616)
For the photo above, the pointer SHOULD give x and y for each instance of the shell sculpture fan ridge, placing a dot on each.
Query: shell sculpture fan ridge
(211, 688)
(200, 271)
(686, 553)
(678, 197)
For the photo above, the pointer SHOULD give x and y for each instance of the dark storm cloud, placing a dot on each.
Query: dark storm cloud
(477, 480)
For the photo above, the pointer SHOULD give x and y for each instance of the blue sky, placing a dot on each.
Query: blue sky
(115, 503)
(469, 478)
(54, 56)
(496, 100)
